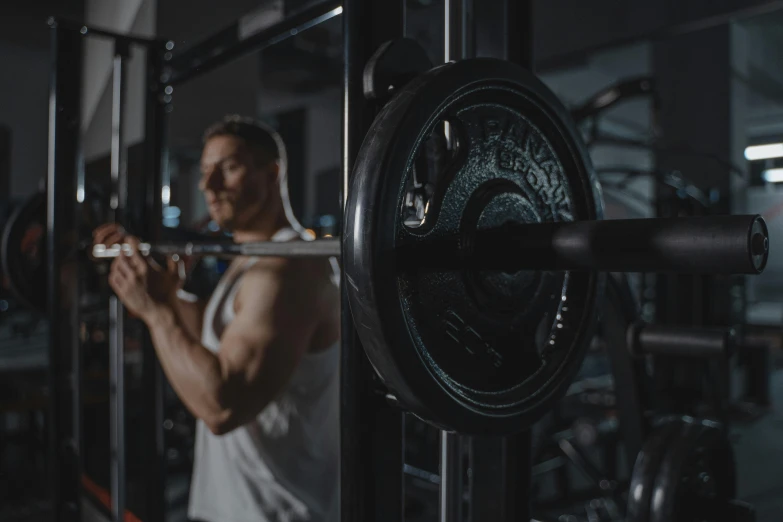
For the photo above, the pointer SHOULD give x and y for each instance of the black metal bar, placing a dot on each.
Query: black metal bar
(486, 480)
(65, 413)
(501, 468)
(356, 113)
(457, 40)
(519, 28)
(715, 244)
(371, 459)
(703, 245)
(451, 478)
(118, 204)
(501, 475)
(619, 312)
(357, 479)
(458, 30)
(86, 30)
(155, 137)
(518, 466)
(389, 460)
(229, 43)
(683, 341)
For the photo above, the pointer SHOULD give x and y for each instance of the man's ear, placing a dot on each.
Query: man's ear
(275, 170)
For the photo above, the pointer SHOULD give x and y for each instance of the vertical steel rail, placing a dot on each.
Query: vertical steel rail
(450, 499)
(517, 458)
(118, 204)
(157, 99)
(356, 476)
(371, 430)
(501, 466)
(64, 372)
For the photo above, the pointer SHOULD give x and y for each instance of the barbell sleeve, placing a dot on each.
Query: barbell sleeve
(699, 245)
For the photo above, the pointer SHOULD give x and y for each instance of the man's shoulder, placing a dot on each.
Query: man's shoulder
(287, 270)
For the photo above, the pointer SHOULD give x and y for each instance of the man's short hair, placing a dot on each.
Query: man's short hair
(261, 139)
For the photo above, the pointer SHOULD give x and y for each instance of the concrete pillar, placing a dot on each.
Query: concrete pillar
(122, 16)
(699, 138)
(693, 75)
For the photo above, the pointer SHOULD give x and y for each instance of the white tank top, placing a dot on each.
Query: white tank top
(283, 466)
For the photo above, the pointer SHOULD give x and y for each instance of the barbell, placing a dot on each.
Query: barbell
(737, 244)
(474, 250)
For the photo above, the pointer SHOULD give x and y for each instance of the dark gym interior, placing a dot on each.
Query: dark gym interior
(552, 239)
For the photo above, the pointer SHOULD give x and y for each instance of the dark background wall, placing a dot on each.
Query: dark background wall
(568, 31)
(580, 47)
(572, 29)
(231, 89)
(24, 84)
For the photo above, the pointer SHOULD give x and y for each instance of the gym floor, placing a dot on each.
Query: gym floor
(759, 453)
(758, 445)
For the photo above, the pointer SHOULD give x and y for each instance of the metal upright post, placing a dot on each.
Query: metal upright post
(501, 466)
(457, 35)
(65, 414)
(518, 24)
(158, 96)
(517, 449)
(118, 205)
(450, 501)
(371, 430)
(458, 30)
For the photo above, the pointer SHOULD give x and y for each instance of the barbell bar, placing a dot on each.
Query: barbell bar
(328, 247)
(736, 244)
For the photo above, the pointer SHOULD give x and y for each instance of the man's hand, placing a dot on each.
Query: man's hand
(109, 234)
(143, 287)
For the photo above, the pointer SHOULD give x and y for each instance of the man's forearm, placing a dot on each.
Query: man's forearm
(193, 371)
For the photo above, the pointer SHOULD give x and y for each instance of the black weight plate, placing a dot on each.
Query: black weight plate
(696, 476)
(23, 253)
(645, 470)
(476, 351)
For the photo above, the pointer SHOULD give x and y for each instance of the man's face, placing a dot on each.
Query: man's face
(234, 187)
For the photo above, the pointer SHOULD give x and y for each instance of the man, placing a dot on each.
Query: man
(256, 365)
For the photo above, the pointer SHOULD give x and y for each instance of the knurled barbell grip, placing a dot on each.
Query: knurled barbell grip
(706, 245)
(317, 248)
